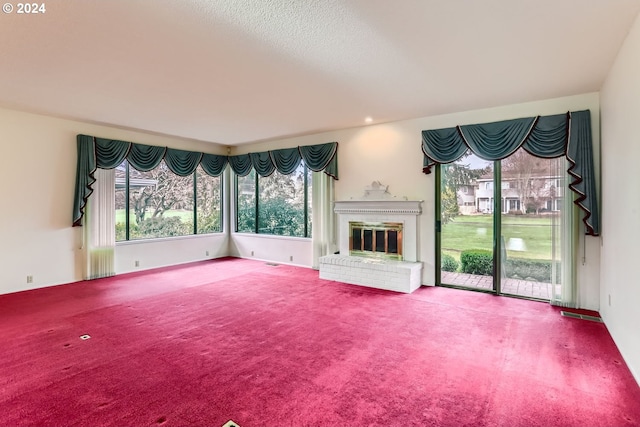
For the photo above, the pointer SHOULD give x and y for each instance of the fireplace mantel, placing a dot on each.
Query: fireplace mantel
(379, 207)
(397, 275)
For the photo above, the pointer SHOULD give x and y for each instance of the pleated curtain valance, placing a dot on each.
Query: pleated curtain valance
(102, 153)
(94, 153)
(548, 137)
(320, 157)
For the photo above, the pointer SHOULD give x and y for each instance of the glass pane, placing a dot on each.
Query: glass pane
(246, 206)
(467, 223)
(281, 204)
(357, 239)
(209, 202)
(120, 199)
(380, 241)
(309, 201)
(532, 198)
(161, 203)
(368, 240)
(392, 237)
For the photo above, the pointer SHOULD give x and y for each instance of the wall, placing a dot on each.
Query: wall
(37, 200)
(390, 153)
(177, 250)
(283, 250)
(39, 240)
(620, 287)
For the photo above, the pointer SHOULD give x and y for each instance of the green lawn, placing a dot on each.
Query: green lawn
(183, 215)
(476, 232)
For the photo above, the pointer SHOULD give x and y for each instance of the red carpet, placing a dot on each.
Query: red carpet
(276, 346)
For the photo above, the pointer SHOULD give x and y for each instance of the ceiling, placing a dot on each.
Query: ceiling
(240, 71)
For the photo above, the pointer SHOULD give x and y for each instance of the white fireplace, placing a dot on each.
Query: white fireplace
(404, 212)
(382, 251)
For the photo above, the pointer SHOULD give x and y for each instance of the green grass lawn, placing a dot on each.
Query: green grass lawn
(183, 215)
(476, 232)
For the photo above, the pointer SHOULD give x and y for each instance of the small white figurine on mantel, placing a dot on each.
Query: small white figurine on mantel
(378, 191)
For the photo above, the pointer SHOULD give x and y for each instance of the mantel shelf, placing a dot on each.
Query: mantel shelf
(398, 207)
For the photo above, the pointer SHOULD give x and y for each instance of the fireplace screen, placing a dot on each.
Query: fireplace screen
(380, 240)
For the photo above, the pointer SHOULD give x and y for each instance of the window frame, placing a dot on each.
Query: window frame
(194, 231)
(256, 202)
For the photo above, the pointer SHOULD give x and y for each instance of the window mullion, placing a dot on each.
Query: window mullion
(257, 199)
(306, 202)
(221, 192)
(126, 202)
(195, 202)
(497, 226)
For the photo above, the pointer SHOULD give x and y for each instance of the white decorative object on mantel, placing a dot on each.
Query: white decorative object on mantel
(378, 191)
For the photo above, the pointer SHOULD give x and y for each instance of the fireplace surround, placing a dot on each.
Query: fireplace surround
(376, 262)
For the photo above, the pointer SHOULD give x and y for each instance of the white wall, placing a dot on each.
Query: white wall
(283, 250)
(37, 181)
(620, 101)
(391, 153)
(39, 240)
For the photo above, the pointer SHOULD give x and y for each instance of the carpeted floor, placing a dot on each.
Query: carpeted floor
(276, 346)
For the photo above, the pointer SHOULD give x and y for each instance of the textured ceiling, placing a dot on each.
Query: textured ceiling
(238, 71)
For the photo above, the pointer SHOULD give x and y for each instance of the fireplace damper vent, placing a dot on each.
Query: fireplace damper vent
(376, 240)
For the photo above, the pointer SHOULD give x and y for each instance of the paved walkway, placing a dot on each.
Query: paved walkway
(518, 287)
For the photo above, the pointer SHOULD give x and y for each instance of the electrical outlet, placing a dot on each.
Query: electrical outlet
(291, 258)
(609, 300)
(137, 263)
(206, 253)
(29, 279)
(251, 253)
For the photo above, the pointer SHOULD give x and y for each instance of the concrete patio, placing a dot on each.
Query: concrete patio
(523, 288)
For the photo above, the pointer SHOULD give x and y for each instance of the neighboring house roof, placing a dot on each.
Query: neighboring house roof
(135, 182)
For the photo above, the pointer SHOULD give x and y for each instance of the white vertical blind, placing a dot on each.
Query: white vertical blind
(323, 217)
(99, 228)
(565, 293)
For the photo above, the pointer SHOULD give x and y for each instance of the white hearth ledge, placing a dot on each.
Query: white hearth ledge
(392, 275)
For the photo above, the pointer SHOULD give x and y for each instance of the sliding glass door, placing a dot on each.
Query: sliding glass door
(467, 223)
(502, 227)
(531, 222)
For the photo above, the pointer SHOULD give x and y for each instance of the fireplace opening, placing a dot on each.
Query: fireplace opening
(379, 240)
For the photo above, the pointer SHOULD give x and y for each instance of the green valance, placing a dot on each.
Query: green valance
(213, 164)
(542, 136)
(241, 164)
(94, 153)
(580, 156)
(106, 153)
(109, 154)
(320, 157)
(286, 160)
(85, 167)
(145, 157)
(181, 162)
(262, 163)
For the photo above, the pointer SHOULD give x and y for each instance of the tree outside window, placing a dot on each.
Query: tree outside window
(162, 204)
(278, 204)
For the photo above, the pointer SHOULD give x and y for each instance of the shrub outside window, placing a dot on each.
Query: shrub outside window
(278, 204)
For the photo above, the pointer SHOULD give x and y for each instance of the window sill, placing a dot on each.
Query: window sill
(271, 236)
(168, 239)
